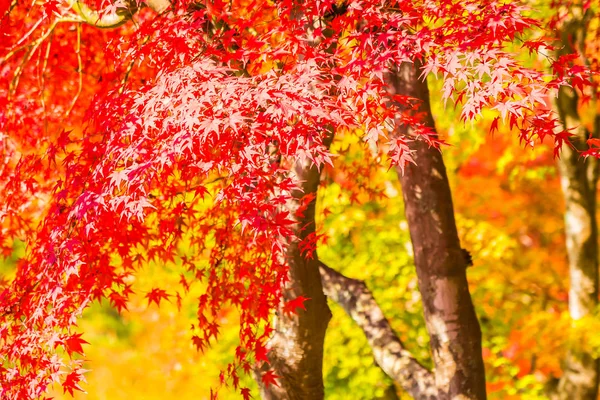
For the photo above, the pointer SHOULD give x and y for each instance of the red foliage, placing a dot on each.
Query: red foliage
(156, 295)
(113, 139)
(72, 344)
(269, 378)
(290, 307)
(246, 394)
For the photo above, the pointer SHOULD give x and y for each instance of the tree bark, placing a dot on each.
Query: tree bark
(296, 349)
(579, 179)
(455, 335)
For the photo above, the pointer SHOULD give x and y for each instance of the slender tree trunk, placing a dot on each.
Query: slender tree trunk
(296, 349)
(579, 179)
(455, 335)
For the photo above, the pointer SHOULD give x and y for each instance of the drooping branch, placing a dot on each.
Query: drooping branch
(389, 351)
(117, 17)
(103, 20)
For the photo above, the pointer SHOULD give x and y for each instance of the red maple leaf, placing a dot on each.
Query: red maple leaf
(494, 126)
(199, 343)
(245, 392)
(72, 344)
(260, 353)
(156, 295)
(593, 142)
(269, 378)
(118, 301)
(71, 382)
(51, 8)
(291, 307)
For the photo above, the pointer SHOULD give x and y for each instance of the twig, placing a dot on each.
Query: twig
(42, 73)
(79, 70)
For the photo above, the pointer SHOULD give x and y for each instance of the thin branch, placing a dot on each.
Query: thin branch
(42, 74)
(20, 46)
(30, 50)
(130, 66)
(79, 70)
(12, 88)
(100, 19)
(126, 77)
(24, 38)
(389, 352)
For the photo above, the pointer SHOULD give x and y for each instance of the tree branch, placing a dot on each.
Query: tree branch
(102, 20)
(118, 17)
(389, 352)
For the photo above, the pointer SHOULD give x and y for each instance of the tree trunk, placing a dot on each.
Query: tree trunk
(455, 335)
(296, 349)
(579, 179)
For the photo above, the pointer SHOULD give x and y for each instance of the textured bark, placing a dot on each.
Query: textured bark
(296, 349)
(389, 352)
(455, 335)
(579, 179)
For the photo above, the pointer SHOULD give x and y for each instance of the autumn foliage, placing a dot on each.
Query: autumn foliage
(170, 138)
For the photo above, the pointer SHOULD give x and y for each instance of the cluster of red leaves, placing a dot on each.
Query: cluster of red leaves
(209, 99)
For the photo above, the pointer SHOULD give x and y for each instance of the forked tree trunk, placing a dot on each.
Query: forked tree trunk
(297, 346)
(455, 335)
(296, 349)
(579, 179)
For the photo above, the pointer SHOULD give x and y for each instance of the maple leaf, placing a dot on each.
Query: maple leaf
(118, 301)
(51, 8)
(178, 301)
(199, 343)
(246, 395)
(269, 378)
(291, 307)
(260, 352)
(593, 141)
(156, 295)
(212, 329)
(71, 382)
(494, 126)
(593, 152)
(72, 344)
